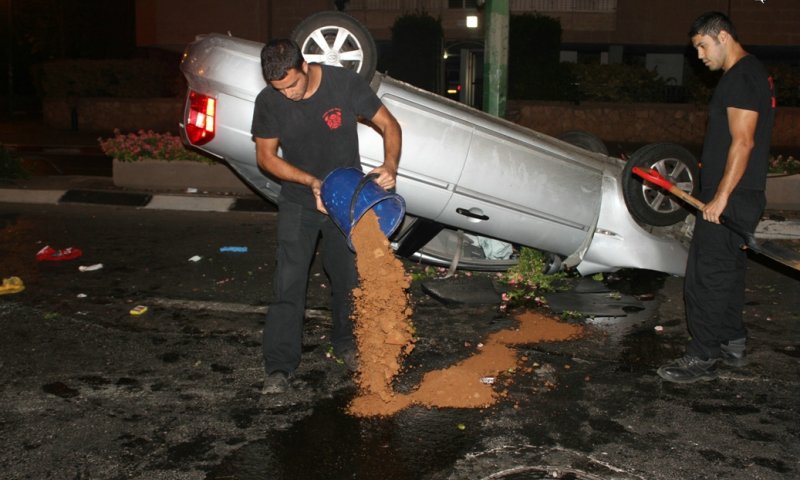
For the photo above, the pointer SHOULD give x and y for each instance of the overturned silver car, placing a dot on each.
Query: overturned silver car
(469, 179)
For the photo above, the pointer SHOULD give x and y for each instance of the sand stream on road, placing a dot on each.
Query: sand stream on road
(384, 335)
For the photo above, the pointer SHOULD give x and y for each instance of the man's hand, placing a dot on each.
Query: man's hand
(316, 189)
(714, 208)
(387, 177)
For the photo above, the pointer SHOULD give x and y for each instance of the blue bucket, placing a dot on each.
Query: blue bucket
(348, 194)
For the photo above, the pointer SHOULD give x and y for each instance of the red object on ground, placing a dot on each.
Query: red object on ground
(49, 254)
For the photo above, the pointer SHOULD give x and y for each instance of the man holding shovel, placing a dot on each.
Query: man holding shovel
(311, 112)
(733, 180)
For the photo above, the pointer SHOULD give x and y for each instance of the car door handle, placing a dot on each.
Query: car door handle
(467, 213)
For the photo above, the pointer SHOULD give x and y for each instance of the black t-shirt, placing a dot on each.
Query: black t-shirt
(317, 134)
(747, 86)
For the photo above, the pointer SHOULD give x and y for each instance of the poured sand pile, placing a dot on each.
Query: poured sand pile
(384, 334)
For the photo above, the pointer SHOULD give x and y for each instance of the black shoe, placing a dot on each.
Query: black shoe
(350, 359)
(688, 369)
(734, 353)
(276, 382)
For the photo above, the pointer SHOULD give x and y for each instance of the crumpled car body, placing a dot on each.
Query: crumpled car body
(461, 169)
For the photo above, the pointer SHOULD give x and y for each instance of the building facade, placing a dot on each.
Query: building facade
(607, 31)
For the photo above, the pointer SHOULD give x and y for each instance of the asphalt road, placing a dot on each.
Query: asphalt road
(88, 391)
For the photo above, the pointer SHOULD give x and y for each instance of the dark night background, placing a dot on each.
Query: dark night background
(34, 31)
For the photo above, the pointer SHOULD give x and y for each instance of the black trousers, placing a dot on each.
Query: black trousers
(298, 231)
(715, 275)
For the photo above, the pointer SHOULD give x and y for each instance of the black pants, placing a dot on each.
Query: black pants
(298, 231)
(715, 275)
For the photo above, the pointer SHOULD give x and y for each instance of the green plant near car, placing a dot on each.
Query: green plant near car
(529, 278)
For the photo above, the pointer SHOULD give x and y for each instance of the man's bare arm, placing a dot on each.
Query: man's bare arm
(269, 160)
(392, 141)
(742, 125)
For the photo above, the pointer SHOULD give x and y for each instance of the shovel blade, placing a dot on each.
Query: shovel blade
(777, 252)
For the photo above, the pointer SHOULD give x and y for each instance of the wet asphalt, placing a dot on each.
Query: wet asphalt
(89, 391)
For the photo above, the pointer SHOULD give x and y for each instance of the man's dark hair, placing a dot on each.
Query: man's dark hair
(278, 57)
(711, 23)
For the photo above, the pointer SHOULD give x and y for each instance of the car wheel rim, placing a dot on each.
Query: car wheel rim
(334, 46)
(677, 173)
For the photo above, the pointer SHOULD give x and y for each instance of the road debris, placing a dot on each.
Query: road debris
(233, 249)
(90, 268)
(11, 285)
(48, 253)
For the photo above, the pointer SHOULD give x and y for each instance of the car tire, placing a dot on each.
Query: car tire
(318, 35)
(585, 140)
(650, 204)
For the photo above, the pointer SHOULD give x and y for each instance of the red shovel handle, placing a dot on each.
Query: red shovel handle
(655, 178)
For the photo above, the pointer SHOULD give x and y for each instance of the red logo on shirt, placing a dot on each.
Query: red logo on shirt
(333, 118)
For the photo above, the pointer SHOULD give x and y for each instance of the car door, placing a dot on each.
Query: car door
(435, 146)
(526, 188)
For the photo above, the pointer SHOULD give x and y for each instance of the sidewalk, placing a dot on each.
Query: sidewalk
(77, 189)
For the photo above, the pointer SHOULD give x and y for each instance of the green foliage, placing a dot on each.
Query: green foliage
(10, 166)
(617, 83)
(416, 52)
(418, 274)
(572, 315)
(108, 78)
(143, 145)
(527, 279)
(786, 165)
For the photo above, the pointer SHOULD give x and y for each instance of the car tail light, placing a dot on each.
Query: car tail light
(202, 117)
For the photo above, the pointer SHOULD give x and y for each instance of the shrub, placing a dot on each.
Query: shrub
(534, 71)
(617, 83)
(416, 53)
(143, 145)
(527, 280)
(786, 165)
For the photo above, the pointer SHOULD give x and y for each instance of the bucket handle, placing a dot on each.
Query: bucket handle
(361, 184)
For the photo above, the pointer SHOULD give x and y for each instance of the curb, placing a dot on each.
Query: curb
(199, 203)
